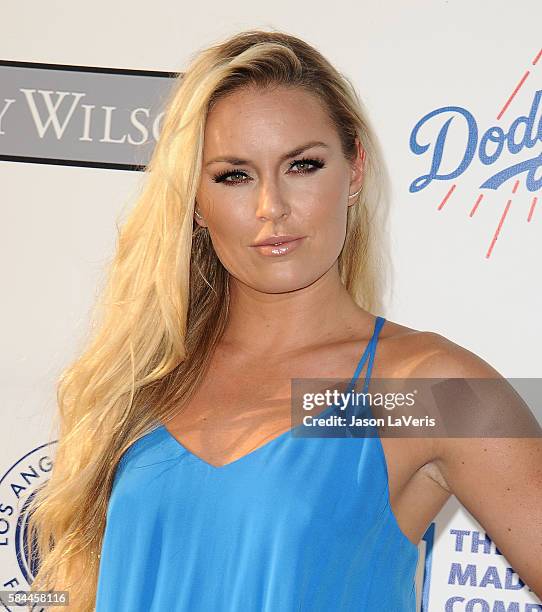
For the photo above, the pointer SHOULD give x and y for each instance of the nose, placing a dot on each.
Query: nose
(271, 203)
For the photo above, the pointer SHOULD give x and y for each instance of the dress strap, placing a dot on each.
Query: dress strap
(368, 353)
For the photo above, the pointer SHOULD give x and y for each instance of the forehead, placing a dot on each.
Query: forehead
(273, 118)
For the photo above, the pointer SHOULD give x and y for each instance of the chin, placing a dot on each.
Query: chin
(285, 284)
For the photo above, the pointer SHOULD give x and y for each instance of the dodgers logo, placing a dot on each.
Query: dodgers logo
(488, 147)
(451, 140)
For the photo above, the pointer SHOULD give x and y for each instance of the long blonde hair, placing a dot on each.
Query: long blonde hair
(165, 299)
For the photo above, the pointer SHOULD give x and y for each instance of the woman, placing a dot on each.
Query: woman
(177, 484)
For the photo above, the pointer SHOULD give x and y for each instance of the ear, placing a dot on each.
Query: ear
(357, 165)
(198, 219)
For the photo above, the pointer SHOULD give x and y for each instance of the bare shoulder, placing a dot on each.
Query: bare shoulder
(409, 353)
(489, 471)
(428, 354)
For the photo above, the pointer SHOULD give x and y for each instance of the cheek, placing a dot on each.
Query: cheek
(328, 225)
(230, 234)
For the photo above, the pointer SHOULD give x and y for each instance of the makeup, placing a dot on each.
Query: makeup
(280, 249)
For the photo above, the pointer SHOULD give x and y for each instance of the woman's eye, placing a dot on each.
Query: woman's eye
(303, 164)
(228, 175)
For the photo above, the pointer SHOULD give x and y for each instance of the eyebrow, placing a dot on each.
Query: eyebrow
(297, 151)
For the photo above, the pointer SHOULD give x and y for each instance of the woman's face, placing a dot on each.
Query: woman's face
(272, 184)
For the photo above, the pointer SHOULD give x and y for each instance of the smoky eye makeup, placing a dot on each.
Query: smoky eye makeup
(316, 164)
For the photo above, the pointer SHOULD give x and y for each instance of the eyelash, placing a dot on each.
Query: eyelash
(316, 161)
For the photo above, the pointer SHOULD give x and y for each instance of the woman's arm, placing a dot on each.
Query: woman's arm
(497, 479)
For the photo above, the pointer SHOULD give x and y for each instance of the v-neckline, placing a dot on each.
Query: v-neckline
(247, 456)
(244, 457)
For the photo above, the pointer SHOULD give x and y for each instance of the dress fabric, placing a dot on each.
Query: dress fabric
(299, 524)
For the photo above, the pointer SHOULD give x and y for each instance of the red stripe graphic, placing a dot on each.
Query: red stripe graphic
(498, 229)
(476, 204)
(531, 210)
(513, 94)
(446, 197)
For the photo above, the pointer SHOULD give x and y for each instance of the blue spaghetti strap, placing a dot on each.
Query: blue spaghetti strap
(363, 409)
(370, 353)
(378, 326)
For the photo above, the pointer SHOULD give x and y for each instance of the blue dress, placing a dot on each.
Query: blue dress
(298, 524)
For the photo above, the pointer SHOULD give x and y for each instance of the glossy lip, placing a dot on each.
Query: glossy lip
(276, 239)
(278, 250)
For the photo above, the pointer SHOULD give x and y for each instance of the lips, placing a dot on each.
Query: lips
(275, 240)
(273, 243)
(280, 247)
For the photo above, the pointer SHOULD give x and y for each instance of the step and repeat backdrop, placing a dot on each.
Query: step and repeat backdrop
(453, 90)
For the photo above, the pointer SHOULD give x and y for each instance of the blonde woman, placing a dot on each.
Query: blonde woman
(256, 254)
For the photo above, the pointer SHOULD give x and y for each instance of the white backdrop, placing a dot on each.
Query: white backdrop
(407, 60)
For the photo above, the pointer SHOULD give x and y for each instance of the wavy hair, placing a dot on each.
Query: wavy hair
(164, 299)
